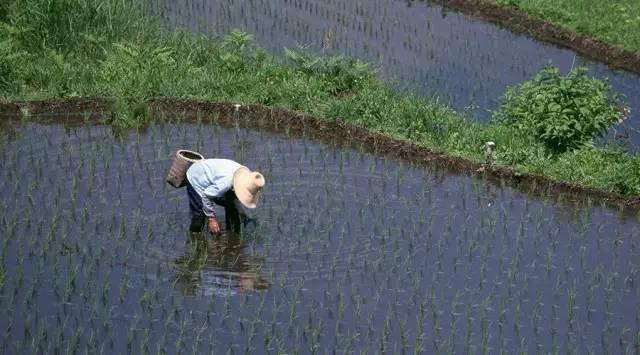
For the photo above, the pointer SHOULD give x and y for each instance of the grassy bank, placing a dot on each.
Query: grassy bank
(108, 48)
(616, 22)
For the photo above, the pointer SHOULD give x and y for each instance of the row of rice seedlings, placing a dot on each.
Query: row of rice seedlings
(515, 265)
(449, 249)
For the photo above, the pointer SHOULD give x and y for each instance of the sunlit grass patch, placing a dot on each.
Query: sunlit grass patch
(616, 22)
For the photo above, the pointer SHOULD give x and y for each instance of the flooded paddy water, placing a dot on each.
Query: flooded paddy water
(418, 45)
(350, 252)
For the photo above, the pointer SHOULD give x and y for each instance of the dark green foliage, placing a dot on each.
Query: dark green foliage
(626, 179)
(128, 113)
(4, 9)
(343, 74)
(132, 70)
(238, 52)
(562, 112)
(10, 54)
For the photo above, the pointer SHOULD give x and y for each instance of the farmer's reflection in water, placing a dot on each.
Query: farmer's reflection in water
(218, 266)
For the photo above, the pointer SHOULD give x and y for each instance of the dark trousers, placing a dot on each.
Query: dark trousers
(232, 216)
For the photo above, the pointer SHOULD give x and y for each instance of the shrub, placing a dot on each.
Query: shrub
(562, 112)
(239, 52)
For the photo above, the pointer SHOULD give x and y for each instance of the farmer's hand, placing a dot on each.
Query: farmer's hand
(213, 225)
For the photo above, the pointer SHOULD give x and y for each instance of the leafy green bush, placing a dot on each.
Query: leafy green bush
(562, 112)
(238, 52)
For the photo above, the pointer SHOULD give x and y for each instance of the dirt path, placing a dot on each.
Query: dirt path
(521, 22)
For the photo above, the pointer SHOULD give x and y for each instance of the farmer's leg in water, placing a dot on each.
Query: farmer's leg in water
(237, 213)
(195, 207)
(232, 215)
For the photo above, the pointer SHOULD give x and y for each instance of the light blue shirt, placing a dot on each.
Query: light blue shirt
(211, 178)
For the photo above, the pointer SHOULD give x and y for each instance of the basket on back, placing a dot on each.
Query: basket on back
(177, 176)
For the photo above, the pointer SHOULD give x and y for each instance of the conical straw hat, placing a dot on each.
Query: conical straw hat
(247, 184)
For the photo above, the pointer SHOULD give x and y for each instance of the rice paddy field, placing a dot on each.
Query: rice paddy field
(420, 46)
(350, 252)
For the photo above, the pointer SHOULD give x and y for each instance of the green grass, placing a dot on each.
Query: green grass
(108, 48)
(616, 22)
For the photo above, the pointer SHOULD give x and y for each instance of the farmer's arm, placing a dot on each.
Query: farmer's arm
(208, 204)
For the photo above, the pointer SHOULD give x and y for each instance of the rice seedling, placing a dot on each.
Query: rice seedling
(375, 255)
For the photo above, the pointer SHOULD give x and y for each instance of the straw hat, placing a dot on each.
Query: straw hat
(247, 184)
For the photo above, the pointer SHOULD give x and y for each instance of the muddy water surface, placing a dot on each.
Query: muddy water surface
(350, 252)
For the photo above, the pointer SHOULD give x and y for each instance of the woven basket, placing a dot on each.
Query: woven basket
(177, 176)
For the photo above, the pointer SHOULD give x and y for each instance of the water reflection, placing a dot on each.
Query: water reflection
(218, 265)
(349, 240)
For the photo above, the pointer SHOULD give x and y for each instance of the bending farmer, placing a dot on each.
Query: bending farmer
(225, 183)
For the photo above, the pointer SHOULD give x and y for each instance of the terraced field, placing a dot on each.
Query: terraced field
(350, 252)
(420, 46)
